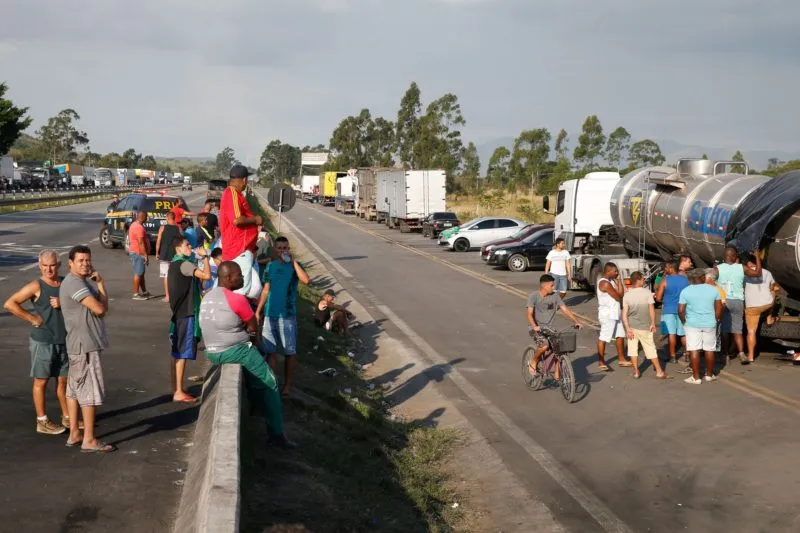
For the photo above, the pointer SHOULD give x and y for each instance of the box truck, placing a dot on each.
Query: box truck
(309, 188)
(412, 196)
(345, 194)
(385, 183)
(327, 187)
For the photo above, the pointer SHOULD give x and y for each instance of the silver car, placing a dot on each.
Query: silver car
(483, 230)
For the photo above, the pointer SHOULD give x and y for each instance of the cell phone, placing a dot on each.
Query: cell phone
(93, 275)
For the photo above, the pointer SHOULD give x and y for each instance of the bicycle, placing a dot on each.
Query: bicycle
(561, 343)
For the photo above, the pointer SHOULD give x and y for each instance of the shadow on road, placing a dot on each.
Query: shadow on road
(350, 257)
(409, 388)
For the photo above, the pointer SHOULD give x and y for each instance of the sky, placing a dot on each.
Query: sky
(189, 77)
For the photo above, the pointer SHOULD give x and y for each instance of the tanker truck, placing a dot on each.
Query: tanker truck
(696, 209)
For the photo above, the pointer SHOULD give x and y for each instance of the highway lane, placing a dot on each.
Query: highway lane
(47, 487)
(661, 456)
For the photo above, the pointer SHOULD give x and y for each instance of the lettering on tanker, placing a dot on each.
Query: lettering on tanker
(708, 220)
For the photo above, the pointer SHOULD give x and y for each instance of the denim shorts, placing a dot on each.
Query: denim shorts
(561, 282)
(671, 324)
(280, 332)
(138, 264)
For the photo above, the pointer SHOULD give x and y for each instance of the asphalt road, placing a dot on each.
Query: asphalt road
(630, 455)
(46, 487)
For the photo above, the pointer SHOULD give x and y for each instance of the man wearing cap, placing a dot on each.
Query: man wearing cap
(239, 230)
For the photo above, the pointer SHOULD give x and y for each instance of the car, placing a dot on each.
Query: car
(215, 189)
(518, 236)
(186, 187)
(530, 252)
(437, 222)
(482, 231)
(114, 233)
(445, 234)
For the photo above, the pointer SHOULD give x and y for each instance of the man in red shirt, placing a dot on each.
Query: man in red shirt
(239, 229)
(180, 212)
(139, 250)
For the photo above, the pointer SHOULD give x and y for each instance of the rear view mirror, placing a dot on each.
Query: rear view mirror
(546, 203)
(386, 199)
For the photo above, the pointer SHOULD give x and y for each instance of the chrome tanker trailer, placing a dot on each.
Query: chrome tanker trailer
(701, 206)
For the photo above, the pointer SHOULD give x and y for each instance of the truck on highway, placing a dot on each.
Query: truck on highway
(366, 192)
(327, 187)
(105, 177)
(385, 181)
(410, 196)
(72, 174)
(345, 201)
(7, 169)
(309, 188)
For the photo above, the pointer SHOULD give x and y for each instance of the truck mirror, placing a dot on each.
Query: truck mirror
(546, 203)
(386, 199)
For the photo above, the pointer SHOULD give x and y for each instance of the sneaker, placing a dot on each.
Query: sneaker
(65, 422)
(691, 381)
(49, 428)
(710, 378)
(146, 294)
(139, 297)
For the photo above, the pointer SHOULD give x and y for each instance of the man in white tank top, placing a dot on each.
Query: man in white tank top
(610, 290)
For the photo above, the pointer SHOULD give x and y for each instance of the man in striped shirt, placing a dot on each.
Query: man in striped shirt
(239, 230)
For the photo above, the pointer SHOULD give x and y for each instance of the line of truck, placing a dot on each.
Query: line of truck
(395, 197)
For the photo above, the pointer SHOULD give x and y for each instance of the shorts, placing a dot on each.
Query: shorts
(138, 264)
(163, 269)
(671, 325)
(281, 331)
(85, 381)
(701, 339)
(645, 338)
(539, 340)
(561, 282)
(733, 317)
(184, 343)
(610, 329)
(251, 281)
(752, 315)
(48, 360)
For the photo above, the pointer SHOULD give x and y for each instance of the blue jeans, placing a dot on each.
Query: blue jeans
(280, 331)
(138, 264)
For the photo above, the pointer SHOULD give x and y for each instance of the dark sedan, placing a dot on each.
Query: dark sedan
(530, 252)
(525, 232)
(438, 222)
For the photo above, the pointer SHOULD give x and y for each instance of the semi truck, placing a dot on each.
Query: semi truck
(7, 169)
(413, 195)
(309, 188)
(365, 193)
(327, 187)
(696, 209)
(385, 183)
(72, 174)
(346, 194)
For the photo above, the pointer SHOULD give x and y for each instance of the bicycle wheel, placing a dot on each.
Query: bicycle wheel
(532, 382)
(567, 382)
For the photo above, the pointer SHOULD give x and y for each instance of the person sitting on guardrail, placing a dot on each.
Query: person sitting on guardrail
(639, 319)
(229, 327)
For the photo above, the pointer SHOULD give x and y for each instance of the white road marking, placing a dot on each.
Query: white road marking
(28, 267)
(604, 516)
(3, 279)
(95, 239)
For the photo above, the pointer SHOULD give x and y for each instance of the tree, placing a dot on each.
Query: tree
(645, 153)
(60, 137)
(497, 171)
(110, 160)
(280, 162)
(530, 155)
(438, 143)
(350, 142)
(12, 121)
(705, 156)
(561, 144)
(89, 158)
(590, 142)
(617, 146)
(224, 161)
(129, 159)
(472, 164)
(738, 156)
(149, 162)
(380, 142)
(406, 128)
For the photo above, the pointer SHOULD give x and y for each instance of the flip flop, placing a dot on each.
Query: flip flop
(604, 368)
(665, 376)
(625, 363)
(73, 444)
(636, 376)
(101, 447)
(188, 399)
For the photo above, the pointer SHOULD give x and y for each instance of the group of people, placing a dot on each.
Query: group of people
(706, 310)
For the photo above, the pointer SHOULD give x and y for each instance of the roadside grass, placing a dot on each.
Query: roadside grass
(358, 467)
(18, 208)
(498, 202)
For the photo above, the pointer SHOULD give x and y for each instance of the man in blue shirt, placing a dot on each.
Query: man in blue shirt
(278, 303)
(700, 310)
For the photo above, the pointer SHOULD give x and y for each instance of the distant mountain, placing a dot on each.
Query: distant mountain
(184, 158)
(758, 159)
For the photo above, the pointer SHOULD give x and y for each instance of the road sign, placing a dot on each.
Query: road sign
(281, 197)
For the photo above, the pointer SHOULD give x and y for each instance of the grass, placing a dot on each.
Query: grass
(358, 467)
(498, 202)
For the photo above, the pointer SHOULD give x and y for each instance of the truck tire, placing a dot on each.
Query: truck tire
(461, 245)
(517, 263)
(105, 239)
(404, 228)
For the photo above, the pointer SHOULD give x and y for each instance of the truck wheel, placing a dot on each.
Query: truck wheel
(404, 227)
(518, 263)
(105, 238)
(461, 245)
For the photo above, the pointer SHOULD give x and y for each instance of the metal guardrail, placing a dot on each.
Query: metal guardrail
(21, 197)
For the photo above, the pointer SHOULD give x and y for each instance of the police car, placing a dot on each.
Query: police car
(121, 215)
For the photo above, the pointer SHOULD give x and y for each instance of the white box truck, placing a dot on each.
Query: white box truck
(7, 169)
(386, 181)
(309, 188)
(345, 194)
(414, 195)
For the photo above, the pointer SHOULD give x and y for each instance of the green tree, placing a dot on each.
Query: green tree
(110, 160)
(738, 156)
(12, 121)
(561, 148)
(439, 142)
(61, 138)
(617, 146)
(380, 143)
(530, 155)
(590, 143)
(224, 161)
(350, 142)
(497, 172)
(130, 158)
(645, 153)
(89, 158)
(705, 156)
(472, 165)
(280, 162)
(407, 126)
(148, 162)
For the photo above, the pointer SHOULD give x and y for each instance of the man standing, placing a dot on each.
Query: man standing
(263, 251)
(610, 290)
(668, 292)
(189, 232)
(711, 279)
(759, 298)
(228, 322)
(47, 339)
(180, 211)
(211, 210)
(559, 266)
(139, 251)
(164, 250)
(84, 305)
(730, 276)
(184, 301)
(239, 228)
(639, 318)
(278, 298)
(205, 235)
(700, 309)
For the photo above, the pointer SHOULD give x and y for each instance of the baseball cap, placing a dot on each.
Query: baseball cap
(239, 172)
(329, 292)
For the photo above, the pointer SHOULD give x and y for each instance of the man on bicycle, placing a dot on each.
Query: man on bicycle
(541, 310)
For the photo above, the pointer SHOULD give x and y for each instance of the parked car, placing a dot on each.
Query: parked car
(482, 231)
(530, 252)
(114, 232)
(435, 223)
(530, 229)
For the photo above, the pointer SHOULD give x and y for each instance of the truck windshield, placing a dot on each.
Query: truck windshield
(103, 174)
(560, 201)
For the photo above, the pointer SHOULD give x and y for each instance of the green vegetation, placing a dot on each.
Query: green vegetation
(357, 469)
(53, 202)
(12, 121)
